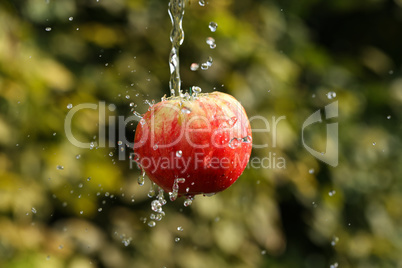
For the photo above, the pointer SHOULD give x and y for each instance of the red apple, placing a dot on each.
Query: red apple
(199, 145)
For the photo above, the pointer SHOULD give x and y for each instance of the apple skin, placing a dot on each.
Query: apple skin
(206, 140)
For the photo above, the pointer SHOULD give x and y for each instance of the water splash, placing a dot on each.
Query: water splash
(194, 66)
(331, 95)
(137, 114)
(246, 139)
(185, 110)
(150, 103)
(152, 192)
(156, 206)
(207, 64)
(213, 26)
(196, 90)
(175, 189)
(188, 201)
(211, 42)
(176, 13)
(141, 179)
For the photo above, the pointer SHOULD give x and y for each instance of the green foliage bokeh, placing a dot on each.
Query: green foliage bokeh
(64, 206)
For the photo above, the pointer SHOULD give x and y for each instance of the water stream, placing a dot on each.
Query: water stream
(176, 13)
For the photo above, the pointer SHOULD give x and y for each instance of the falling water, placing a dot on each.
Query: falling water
(176, 13)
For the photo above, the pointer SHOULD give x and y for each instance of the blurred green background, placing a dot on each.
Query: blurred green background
(64, 206)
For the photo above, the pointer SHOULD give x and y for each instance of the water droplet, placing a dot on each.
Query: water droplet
(70, 18)
(141, 179)
(78, 156)
(161, 197)
(234, 143)
(331, 95)
(180, 229)
(209, 61)
(150, 104)
(80, 185)
(81, 212)
(89, 178)
(111, 154)
(33, 210)
(137, 114)
(185, 110)
(126, 241)
(388, 117)
(119, 143)
(212, 26)
(188, 202)
(194, 66)
(211, 42)
(204, 66)
(246, 139)
(99, 209)
(155, 147)
(374, 143)
(334, 241)
(127, 96)
(59, 167)
(177, 239)
(335, 265)
(231, 122)
(175, 189)
(263, 252)
(156, 206)
(179, 153)
(332, 193)
(311, 171)
(61, 246)
(201, 2)
(196, 89)
(69, 106)
(151, 223)
(48, 29)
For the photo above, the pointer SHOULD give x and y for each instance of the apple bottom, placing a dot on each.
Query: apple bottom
(202, 174)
